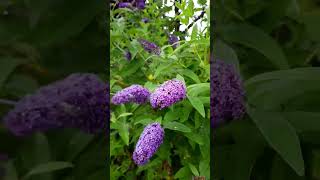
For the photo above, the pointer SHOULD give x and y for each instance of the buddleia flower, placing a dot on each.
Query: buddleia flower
(227, 93)
(127, 55)
(168, 93)
(150, 47)
(79, 101)
(134, 93)
(149, 141)
(173, 40)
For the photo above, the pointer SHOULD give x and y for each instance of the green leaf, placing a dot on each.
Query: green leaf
(255, 38)
(195, 137)
(224, 52)
(7, 65)
(183, 172)
(308, 73)
(196, 89)
(204, 168)
(48, 167)
(124, 115)
(197, 104)
(170, 116)
(194, 32)
(191, 74)
(63, 25)
(176, 126)
(303, 121)
(124, 133)
(11, 172)
(311, 20)
(77, 144)
(281, 136)
(144, 121)
(193, 169)
(179, 77)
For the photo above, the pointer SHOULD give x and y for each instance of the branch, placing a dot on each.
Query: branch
(195, 20)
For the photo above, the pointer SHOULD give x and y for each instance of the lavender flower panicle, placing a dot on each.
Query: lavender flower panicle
(145, 20)
(124, 5)
(134, 93)
(140, 4)
(150, 47)
(227, 93)
(79, 101)
(168, 93)
(173, 40)
(149, 141)
(128, 55)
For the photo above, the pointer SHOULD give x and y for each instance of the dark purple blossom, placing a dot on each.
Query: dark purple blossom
(168, 93)
(134, 93)
(79, 101)
(227, 93)
(124, 5)
(145, 20)
(173, 40)
(149, 141)
(140, 4)
(150, 47)
(127, 55)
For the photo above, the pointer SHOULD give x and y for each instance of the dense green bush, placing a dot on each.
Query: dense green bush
(275, 45)
(185, 150)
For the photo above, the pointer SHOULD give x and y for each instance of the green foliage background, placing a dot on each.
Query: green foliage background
(275, 45)
(186, 147)
(42, 41)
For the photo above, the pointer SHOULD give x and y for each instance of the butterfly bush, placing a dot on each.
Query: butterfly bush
(134, 93)
(227, 93)
(168, 93)
(79, 101)
(149, 141)
(150, 46)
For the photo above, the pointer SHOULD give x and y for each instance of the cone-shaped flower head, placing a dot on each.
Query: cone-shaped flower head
(173, 39)
(134, 93)
(168, 93)
(148, 143)
(78, 101)
(227, 93)
(150, 47)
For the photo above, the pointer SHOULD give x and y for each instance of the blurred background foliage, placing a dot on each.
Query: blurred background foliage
(42, 41)
(185, 151)
(275, 46)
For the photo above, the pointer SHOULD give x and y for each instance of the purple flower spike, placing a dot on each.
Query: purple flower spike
(140, 4)
(127, 55)
(134, 93)
(79, 101)
(168, 93)
(173, 39)
(150, 47)
(148, 143)
(145, 20)
(124, 5)
(227, 93)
